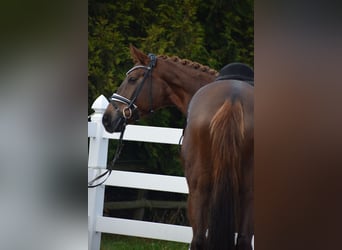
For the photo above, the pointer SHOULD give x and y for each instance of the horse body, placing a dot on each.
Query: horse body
(217, 155)
(217, 148)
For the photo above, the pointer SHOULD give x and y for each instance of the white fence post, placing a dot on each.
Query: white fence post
(97, 160)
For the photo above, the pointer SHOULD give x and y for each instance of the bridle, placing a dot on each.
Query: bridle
(124, 117)
(131, 107)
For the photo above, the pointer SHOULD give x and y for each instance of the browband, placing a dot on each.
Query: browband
(137, 67)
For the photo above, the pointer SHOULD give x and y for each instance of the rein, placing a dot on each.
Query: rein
(123, 117)
(110, 168)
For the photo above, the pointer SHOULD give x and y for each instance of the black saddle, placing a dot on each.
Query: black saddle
(237, 71)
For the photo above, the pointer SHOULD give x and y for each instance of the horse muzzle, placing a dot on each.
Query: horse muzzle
(115, 122)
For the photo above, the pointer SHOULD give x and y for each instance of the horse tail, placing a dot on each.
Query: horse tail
(227, 134)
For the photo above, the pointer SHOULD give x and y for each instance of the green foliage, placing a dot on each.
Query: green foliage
(229, 31)
(176, 30)
(212, 33)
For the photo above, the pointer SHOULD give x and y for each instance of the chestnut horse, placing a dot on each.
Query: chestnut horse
(156, 82)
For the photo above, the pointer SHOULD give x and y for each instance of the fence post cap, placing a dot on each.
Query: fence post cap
(100, 104)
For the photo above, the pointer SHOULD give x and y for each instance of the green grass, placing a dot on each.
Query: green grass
(116, 242)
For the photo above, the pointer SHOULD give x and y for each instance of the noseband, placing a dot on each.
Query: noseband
(128, 111)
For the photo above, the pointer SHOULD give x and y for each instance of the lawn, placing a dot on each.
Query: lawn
(116, 242)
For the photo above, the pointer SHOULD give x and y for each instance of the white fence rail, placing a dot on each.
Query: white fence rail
(97, 162)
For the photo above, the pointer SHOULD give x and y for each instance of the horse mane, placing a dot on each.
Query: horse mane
(187, 62)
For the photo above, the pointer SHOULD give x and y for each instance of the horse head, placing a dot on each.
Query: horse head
(139, 94)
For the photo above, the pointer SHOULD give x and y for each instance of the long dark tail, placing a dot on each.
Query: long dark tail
(227, 134)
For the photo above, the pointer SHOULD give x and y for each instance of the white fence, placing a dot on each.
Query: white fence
(97, 162)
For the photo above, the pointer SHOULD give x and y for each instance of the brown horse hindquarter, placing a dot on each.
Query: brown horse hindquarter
(227, 108)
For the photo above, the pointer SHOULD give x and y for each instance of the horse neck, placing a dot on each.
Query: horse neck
(183, 81)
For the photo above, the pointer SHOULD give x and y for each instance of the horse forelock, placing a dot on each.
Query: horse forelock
(189, 63)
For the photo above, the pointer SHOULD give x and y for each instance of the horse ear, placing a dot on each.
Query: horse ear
(138, 56)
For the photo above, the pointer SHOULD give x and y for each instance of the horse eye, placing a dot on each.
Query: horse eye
(132, 79)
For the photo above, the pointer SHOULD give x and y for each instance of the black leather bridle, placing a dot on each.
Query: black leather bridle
(132, 110)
